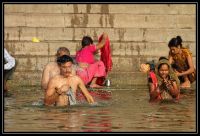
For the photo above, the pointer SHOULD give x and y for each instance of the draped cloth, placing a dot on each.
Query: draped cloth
(152, 75)
(96, 69)
(71, 97)
(106, 58)
(181, 64)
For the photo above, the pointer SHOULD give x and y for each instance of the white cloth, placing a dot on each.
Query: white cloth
(10, 61)
(72, 97)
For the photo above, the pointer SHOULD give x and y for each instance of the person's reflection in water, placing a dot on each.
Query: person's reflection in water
(98, 121)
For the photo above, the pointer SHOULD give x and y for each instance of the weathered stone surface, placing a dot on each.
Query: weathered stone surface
(138, 33)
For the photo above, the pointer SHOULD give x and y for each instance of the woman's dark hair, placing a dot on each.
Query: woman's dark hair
(175, 42)
(86, 41)
(63, 59)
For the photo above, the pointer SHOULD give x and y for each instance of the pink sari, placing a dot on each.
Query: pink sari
(96, 69)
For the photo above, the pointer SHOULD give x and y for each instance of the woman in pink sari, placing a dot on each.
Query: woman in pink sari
(90, 69)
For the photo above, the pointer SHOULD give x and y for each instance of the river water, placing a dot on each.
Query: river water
(128, 110)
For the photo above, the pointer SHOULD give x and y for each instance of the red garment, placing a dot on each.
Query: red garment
(97, 95)
(106, 54)
(152, 75)
(106, 58)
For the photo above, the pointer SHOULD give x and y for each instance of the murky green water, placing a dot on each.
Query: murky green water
(127, 111)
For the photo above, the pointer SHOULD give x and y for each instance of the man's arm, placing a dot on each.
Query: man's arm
(50, 95)
(81, 85)
(10, 60)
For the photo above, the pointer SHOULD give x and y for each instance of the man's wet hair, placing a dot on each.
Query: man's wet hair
(63, 59)
(60, 49)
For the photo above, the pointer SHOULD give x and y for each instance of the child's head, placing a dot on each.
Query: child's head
(163, 70)
(87, 40)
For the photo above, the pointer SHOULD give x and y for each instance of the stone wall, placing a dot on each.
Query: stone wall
(138, 33)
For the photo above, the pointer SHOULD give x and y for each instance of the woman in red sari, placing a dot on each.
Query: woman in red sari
(181, 60)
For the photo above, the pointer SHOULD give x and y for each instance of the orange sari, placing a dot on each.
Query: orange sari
(181, 64)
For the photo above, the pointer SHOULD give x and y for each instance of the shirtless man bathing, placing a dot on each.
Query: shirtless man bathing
(59, 85)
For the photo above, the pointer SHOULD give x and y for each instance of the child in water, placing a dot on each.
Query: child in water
(162, 80)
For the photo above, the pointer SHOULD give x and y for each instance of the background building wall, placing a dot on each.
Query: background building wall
(137, 32)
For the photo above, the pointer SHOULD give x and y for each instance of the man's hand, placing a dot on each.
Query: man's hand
(89, 99)
(63, 89)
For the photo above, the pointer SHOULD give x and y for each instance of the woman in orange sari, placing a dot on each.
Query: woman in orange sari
(181, 60)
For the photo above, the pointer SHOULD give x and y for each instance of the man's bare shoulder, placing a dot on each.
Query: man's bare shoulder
(74, 78)
(51, 64)
(56, 80)
(57, 77)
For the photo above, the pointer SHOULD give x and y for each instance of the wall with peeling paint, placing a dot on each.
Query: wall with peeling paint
(138, 33)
